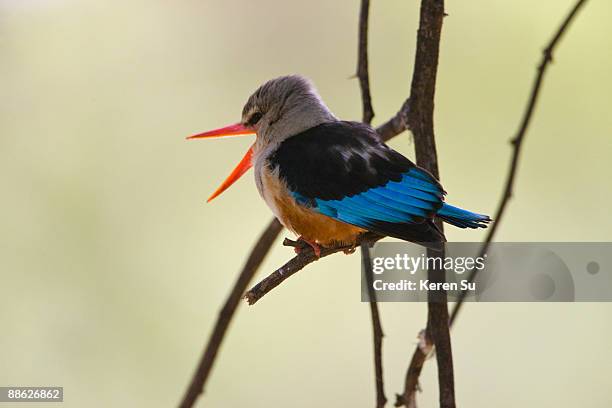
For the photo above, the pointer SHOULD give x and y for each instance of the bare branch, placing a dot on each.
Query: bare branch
(397, 124)
(419, 118)
(517, 141)
(362, 62)
(414, 371)
(305, 257)
(368, 114)
(256, 257)
(422, 90)
(377, 331)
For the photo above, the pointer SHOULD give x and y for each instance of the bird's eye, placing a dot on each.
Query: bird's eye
(256, 117)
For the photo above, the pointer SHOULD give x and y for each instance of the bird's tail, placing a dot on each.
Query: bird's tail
(462, 218)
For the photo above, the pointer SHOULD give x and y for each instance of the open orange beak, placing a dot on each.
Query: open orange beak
(233, 130)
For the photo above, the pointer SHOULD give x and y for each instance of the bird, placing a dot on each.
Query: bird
(329, 181)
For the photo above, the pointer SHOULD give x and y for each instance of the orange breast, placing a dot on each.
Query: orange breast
(303, 221)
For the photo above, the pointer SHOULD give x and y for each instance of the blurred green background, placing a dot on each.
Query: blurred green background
(113, 268)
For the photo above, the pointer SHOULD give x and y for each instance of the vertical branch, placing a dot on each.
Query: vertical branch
(517, 140)
(377, 331)
(256, 257)
(362, 62)
(422, 90)
(368, 114)
(421, 121)
(418, 357)
(438, 328)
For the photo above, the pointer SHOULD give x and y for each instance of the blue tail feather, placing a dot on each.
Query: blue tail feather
(462, 218)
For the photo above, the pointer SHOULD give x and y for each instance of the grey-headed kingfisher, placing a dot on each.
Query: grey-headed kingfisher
(329, 180)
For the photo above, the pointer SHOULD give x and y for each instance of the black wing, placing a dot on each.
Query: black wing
(343, 170)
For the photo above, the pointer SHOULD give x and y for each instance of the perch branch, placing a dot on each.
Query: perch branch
(305, 257)
(517, 142)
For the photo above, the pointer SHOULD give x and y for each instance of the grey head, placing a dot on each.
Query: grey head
(281, 108)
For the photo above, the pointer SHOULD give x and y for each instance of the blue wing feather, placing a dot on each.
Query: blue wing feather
(396, 204)
(404, 199)
(357, 206)
(399, 187)
(412, 199)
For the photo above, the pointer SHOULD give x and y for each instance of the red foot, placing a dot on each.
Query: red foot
(315, 247)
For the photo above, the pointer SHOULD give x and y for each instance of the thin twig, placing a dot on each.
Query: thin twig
(418, 358)
(377, 331)
(362, 62)
(363, 74)
(397, 124)
(256, 257)
(517, 142)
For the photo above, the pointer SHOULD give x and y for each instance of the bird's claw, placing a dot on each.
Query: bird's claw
(316, 248)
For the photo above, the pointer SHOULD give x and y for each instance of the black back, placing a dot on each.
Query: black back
(337, 159)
